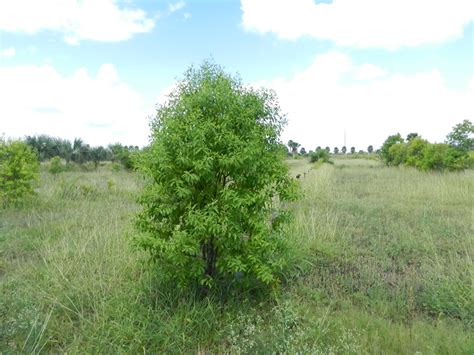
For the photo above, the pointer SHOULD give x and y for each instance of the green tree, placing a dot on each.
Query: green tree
(343, 150)
(336, 150)
(385, 150)
(353, 150)
(18, 171)
(303, 151)
(80, 151)
(328, 149)
(411, 136)
(462, 136)
(370, 149)
(123, 154)
(212, 206)
(293, 147)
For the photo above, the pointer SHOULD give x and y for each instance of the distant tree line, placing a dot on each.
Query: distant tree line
(47, 147)
(292, 146)
(415, 151)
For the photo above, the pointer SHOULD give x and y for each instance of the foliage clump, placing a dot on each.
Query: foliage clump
(18, 171)
(420, 153)
(55, 165)
(321, 155)
(212, 208)
(462, 136)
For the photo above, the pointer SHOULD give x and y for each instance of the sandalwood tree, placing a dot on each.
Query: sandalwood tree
(213, 204)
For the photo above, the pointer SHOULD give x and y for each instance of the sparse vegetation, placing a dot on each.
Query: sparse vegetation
(381, 262)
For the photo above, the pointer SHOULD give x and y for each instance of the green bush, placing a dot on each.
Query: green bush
(421, 154)
(211, 208)
(414, 151)
(385, 150)
(55, 165)
(397, 154)
(18, 171)
(319, 155)
(444, 157)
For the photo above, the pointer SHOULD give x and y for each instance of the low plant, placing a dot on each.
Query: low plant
(55, 165)
(319, 155)
(19, 169)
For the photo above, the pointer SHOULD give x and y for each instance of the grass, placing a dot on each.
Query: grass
(381, 263)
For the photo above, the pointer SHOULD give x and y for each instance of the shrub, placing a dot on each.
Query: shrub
(216, 173)
(18, 171)
(414, 151)
(385, 150)
(55, 165)
(397, 154)
(443, 156)
(319, 155)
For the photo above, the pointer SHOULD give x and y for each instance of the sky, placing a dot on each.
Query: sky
(359, 69)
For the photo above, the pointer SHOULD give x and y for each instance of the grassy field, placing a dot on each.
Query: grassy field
(381, 263)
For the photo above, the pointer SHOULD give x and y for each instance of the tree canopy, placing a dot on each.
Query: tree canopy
(462, 136)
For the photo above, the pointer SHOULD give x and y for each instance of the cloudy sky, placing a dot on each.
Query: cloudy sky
(96, 68)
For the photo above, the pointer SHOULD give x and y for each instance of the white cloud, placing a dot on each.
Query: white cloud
(368, 72)
(176, 6)
(328, 97)
(8, 52)
(98, 20)
(187, 16)
(363, 23)
(100, 109)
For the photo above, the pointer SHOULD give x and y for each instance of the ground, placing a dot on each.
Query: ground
(381, 262)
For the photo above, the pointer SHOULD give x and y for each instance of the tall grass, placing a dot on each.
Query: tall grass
(381, 262)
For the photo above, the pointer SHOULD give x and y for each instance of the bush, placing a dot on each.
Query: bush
(397, 154)
(420, 153)
(385, 150)
(216, 175)
(18, 171)
(55, 165)
(414, 151)
(319, 155)
(443, 157)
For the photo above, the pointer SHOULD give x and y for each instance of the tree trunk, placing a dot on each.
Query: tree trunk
(209, 254)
